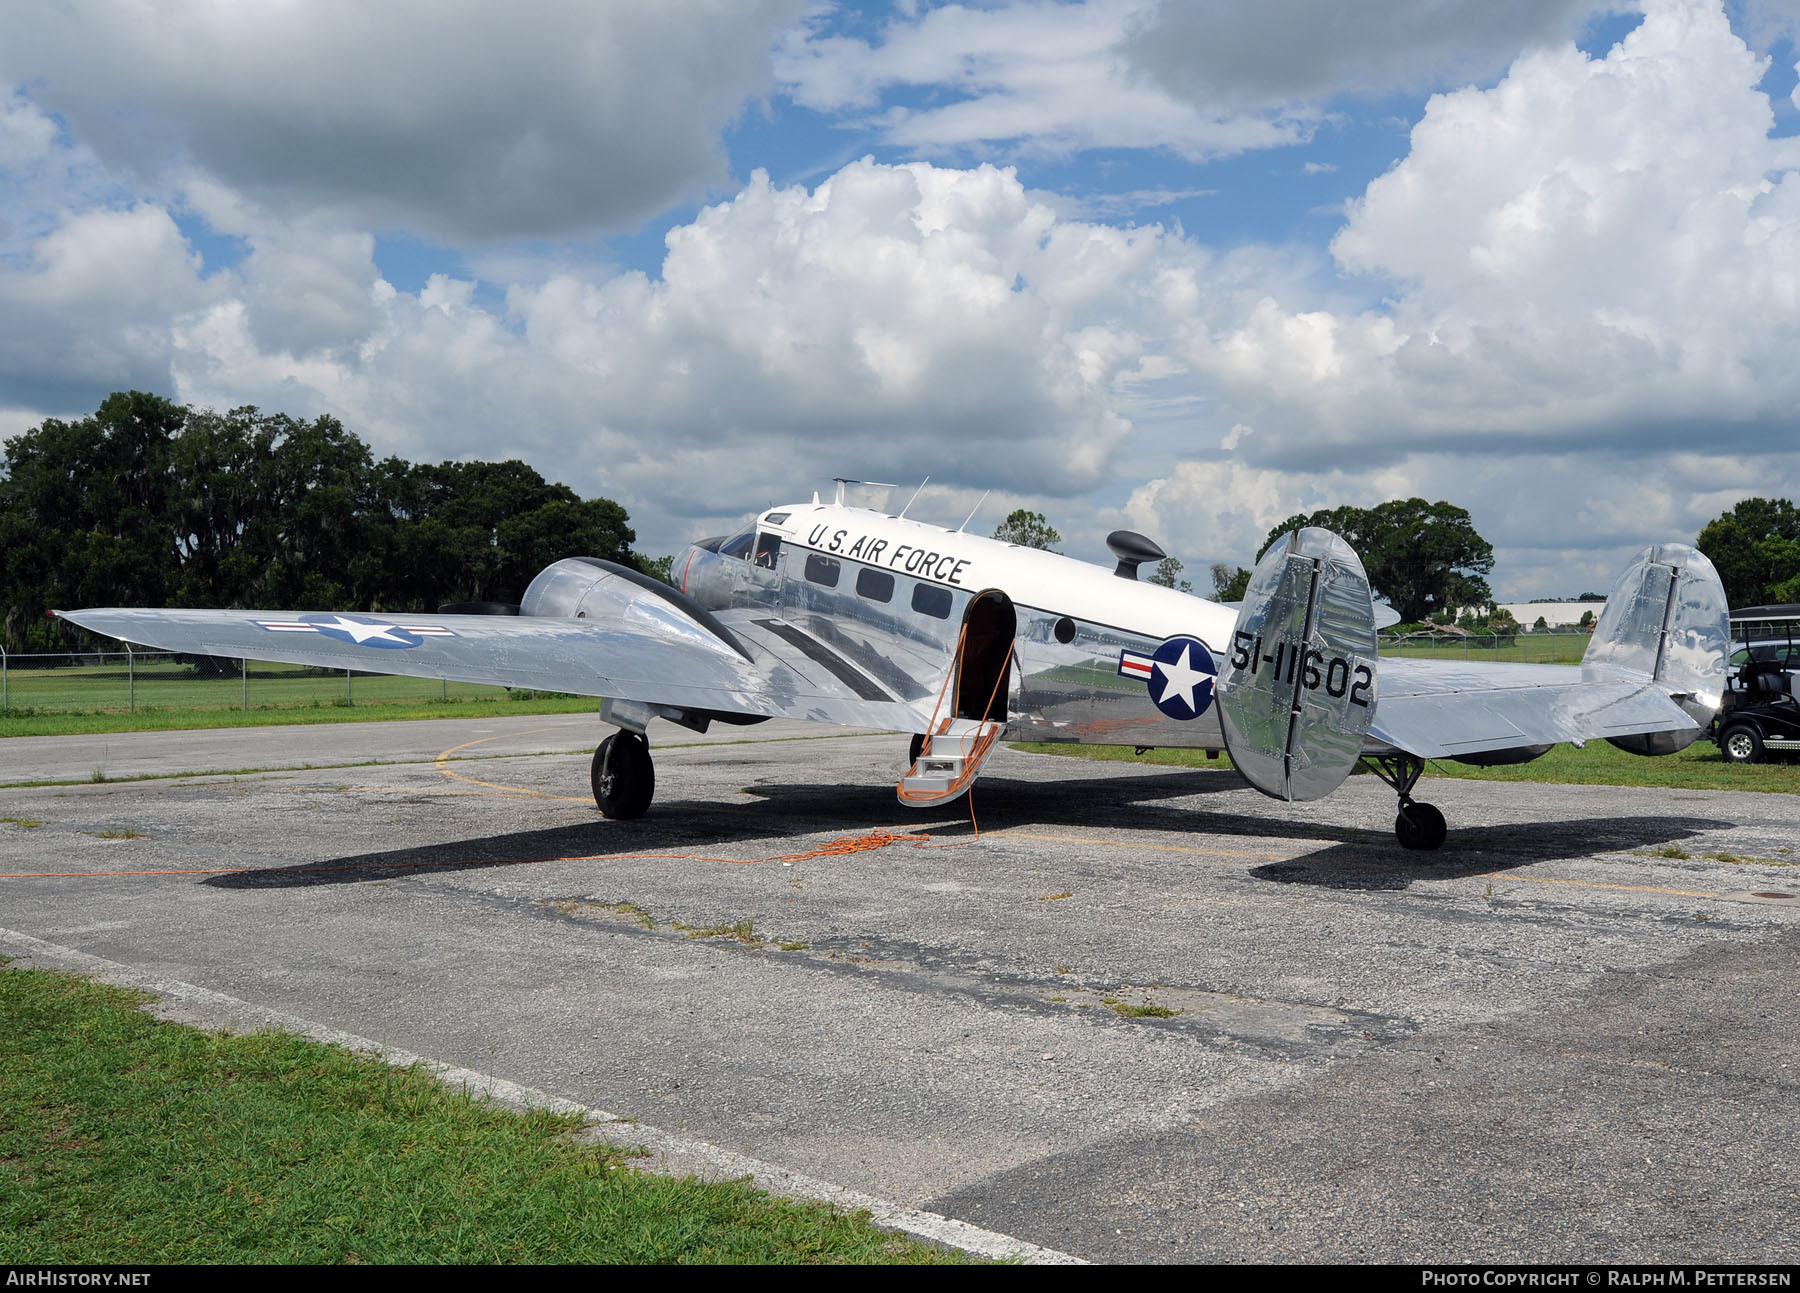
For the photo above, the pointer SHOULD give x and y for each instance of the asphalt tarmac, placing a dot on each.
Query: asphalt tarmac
(1569, 1035)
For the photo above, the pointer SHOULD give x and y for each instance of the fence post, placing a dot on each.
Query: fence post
(3, 700)
(349, 689)
(131, 674)
(244, 678)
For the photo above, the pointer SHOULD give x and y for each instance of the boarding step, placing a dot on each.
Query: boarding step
(950, 762)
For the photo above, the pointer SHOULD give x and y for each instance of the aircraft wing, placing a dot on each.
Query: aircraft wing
(1441, 709)
(650, 654)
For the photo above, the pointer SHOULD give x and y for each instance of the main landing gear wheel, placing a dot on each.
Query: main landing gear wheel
(624, 778)
(1419, 826)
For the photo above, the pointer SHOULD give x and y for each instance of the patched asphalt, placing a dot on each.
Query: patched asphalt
(1568, 1036)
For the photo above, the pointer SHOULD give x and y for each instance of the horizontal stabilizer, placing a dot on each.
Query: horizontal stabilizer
(1448, 710)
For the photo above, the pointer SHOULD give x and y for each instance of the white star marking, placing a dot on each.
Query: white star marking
(1179, 679)
(364, 632)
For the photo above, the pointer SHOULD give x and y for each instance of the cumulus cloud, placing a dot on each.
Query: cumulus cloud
(1218, 53)
(1202, 78)
(87, 309)
(1594, 251)
(1593, 279)
(1588, 279)
(460, 119)
(1561, 523)
(893, 321)
(1046, 75)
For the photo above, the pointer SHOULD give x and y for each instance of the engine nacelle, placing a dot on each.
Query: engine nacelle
(587, 588)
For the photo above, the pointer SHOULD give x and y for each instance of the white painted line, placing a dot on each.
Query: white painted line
(678, 1152)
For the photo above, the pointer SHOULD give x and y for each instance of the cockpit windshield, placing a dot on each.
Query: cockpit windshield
(738, 545)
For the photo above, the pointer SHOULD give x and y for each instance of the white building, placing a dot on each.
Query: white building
(1556, 615)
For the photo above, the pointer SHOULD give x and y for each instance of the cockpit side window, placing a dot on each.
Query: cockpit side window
(768, 547)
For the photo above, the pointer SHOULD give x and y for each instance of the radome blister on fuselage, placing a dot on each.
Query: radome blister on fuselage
(893, 596)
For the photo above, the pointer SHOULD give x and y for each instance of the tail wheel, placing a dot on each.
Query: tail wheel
(623, 776)
(1741, 745)
(1419, 826)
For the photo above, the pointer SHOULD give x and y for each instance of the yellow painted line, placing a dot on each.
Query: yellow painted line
(442, 764)
(1593, 884)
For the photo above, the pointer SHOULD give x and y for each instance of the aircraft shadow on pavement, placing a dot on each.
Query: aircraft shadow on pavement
(1377, 861)
(1356, 857)
(764, 824)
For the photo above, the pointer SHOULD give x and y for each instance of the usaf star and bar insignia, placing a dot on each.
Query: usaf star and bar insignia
(359, 632)
(1179, 675)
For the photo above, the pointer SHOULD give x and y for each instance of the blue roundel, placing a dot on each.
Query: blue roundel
(1181, 678)
(368, 633)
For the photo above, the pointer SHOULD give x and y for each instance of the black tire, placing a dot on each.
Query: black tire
(1741, 743)
(914, 750)
(623, 776)
(1420, 826)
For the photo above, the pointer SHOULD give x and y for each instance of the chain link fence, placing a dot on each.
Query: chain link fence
(136, 681)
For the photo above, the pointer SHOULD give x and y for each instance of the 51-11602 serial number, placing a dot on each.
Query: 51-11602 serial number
(1309, 667)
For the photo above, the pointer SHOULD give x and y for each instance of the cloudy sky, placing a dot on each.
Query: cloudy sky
(1184, 265)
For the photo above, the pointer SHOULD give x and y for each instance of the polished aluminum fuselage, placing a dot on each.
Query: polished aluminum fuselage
(891, 596)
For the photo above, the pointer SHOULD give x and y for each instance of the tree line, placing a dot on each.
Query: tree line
(150, 503)
(1429, 562)
(1756, 549)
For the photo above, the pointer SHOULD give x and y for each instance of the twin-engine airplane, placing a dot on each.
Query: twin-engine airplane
(842, 615)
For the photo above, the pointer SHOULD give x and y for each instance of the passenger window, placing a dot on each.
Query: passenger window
(929, 599)
(767, 548)
(876, 585)
(823, 570)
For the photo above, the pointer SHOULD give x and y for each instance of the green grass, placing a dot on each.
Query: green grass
(126, 1140)
(165, 720)
(169, 695)
(1699, 767)
(1126, 1010)
(1525, 648)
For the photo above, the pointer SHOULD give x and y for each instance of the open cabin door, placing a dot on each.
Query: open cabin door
(984, 665)
(966, 731)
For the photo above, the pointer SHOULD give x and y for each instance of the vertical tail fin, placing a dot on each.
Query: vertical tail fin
(1666, 620)
(1298, 691)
